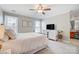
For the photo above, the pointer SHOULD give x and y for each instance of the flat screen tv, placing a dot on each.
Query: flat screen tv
(50, 26)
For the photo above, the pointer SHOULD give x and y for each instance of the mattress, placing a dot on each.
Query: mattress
(25, 42)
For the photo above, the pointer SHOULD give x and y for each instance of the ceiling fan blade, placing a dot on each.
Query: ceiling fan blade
(47, 9)
(32, 9)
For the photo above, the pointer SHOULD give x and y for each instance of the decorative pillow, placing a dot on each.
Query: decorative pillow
(5, 38)
(10, 34)
(2, 31)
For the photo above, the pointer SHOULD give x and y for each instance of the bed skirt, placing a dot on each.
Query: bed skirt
(36, 50)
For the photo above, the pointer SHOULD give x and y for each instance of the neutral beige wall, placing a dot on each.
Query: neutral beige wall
(62, 22)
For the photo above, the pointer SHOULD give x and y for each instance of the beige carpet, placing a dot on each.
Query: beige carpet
(55, 47)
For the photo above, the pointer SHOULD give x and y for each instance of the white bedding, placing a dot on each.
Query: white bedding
(26, 42)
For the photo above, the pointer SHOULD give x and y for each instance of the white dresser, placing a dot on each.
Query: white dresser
(52, 34)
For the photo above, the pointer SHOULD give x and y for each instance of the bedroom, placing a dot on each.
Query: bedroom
(25, 25)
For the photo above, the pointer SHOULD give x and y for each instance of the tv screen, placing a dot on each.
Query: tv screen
(50, 26)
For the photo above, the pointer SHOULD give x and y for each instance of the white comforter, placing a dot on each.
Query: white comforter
(26, 42)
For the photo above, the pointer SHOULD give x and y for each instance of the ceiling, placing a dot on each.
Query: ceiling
(23, 9)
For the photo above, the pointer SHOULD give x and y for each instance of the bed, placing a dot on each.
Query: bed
(26, 43)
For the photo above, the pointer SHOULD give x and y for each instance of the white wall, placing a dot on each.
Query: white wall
(1, 16)
(29, 22)
(62, 22)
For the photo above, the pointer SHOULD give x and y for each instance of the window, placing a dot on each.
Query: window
(37, 26)
(11, 23)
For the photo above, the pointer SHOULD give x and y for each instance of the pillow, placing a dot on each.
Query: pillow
(5, 38)
(10, 34)
(2, 31)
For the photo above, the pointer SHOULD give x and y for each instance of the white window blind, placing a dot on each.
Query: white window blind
(37, 26)
(11, 23)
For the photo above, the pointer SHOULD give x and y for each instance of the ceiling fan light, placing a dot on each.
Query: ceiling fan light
(41, 8)
(39, 11)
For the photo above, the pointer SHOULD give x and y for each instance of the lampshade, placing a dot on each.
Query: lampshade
(2, 30)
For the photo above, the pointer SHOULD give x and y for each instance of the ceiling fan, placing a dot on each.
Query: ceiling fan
(41, 9)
